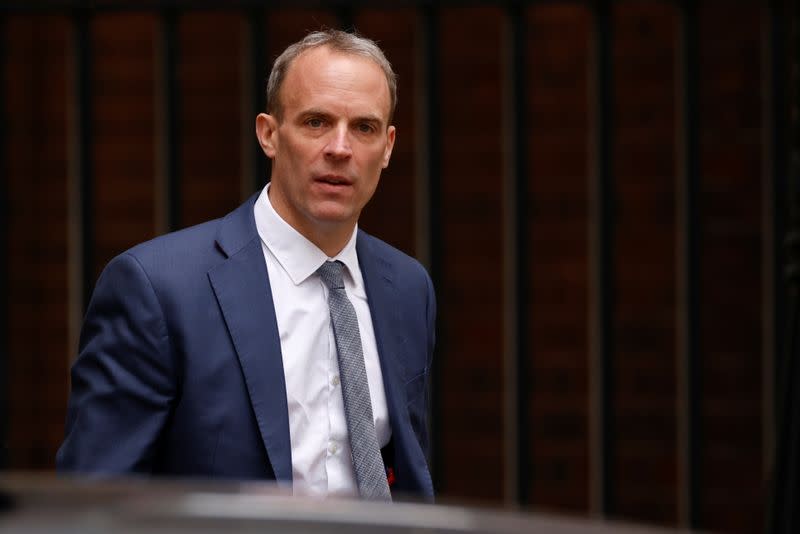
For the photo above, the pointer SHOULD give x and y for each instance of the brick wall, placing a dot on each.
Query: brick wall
(557, 226)
(730, 160)
(645, 105)
(36, 178)
(210, 85)
(124, 126)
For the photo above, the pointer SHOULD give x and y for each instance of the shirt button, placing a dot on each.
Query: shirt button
(335, 381)
(332, 447)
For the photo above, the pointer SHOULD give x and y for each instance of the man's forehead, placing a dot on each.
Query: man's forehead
(324, 54)
(308, 68)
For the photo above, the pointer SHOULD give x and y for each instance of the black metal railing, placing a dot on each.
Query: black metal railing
(690, 364)
(520, 267)
(4, 253)
(601, 258)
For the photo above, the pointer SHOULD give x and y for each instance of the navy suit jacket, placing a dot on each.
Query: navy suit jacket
(180, 370)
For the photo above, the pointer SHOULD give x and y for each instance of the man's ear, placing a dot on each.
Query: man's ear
(387, 153)
(267, 134)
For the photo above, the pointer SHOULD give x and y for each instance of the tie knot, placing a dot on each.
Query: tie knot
(331, 274)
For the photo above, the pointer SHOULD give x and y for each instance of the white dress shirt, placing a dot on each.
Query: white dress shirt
(321, 462)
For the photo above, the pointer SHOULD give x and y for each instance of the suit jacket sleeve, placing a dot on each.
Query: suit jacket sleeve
(124, 380)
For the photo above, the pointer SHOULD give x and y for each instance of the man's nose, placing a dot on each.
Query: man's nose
(339, 144)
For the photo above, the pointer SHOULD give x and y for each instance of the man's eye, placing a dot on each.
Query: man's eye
(314, 123)
(365, 128)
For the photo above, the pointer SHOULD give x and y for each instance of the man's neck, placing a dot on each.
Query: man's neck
(330, 243)
(330, 238)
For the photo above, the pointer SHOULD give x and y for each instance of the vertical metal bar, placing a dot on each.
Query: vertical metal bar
(430, 246)
(777, 190)
(82, 156)
(774, 217)
(5, 282)
(784, 516)
(689, 363)
(602, 275)
(255, 87)
(169, 124)
(516, 285)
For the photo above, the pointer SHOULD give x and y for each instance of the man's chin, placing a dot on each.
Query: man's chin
(334, 217)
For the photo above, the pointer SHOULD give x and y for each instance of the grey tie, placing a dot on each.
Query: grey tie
(367, 461)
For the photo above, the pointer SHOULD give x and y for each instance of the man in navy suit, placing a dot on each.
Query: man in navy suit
(209, 352)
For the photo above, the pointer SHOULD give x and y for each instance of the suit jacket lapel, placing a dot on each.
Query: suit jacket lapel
(382, 297)
(241, 285)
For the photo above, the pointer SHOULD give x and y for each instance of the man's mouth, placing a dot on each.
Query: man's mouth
(334, 179)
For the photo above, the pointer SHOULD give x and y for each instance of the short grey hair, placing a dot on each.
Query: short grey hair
(339, 41)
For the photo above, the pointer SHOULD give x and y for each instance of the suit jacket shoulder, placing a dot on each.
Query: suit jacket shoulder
(199, 247)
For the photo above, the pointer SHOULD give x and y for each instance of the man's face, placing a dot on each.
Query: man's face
(331, 141)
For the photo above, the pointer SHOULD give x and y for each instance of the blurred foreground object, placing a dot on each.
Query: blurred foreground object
(42, 503)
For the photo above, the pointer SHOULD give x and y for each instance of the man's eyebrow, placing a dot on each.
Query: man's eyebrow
(373, 119)
(314, 111)
(317, 112)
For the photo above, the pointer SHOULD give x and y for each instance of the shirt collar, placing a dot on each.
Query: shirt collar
(298, 256)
